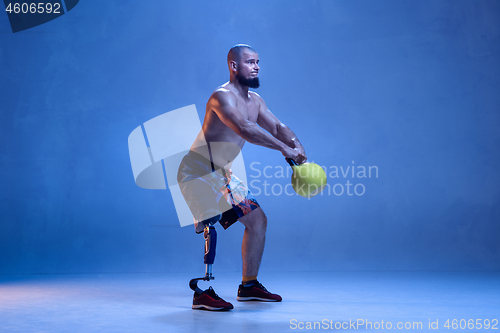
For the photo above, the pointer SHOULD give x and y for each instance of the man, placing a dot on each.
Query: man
(234, 115)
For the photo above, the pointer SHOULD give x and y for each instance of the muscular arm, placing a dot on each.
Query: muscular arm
(223, 103)
(280, 131)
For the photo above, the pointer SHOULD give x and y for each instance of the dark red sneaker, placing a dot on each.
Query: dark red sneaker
(209, 300)
(256, 292)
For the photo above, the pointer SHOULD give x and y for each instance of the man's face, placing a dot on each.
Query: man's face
(248, 69)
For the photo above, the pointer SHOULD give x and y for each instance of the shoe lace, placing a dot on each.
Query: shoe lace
(259, 285)
(210, 291)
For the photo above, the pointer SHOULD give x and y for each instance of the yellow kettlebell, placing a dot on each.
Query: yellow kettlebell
(308, 179)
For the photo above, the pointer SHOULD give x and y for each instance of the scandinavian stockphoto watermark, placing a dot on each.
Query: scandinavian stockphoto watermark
(356, 324)
(365, 324)
(158, 146)
(341, 179)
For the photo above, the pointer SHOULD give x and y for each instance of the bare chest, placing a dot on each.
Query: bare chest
(249, 109)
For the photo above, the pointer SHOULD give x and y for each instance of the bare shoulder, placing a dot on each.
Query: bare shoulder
(258, 99)
(223, 96)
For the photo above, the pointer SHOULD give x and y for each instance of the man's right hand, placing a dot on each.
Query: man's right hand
(295, 154)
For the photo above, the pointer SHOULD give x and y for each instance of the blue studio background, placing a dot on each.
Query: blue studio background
(410, 87)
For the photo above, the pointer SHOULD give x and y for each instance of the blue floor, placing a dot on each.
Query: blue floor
(355, 300)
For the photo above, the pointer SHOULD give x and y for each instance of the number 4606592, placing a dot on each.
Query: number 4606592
(34, 8)
(471, 324)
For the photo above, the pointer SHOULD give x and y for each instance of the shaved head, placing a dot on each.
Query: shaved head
(243, 63)
(235, 52)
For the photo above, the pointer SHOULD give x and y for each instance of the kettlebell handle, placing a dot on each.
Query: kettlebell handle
(291, 162)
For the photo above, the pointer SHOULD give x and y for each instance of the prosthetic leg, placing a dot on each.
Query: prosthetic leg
(208, 299)
(210, 236)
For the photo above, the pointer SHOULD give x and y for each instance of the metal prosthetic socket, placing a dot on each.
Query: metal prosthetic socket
(210, 235)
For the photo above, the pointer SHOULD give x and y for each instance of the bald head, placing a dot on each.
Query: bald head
(234, 53)
(243, 63)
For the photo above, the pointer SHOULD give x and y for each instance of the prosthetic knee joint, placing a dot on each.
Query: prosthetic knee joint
(210, 235)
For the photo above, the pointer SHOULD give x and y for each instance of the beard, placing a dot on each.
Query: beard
(251, 83)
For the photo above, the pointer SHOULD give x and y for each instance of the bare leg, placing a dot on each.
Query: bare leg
(254, 239)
